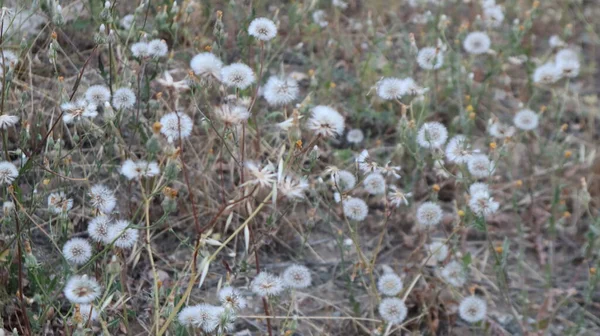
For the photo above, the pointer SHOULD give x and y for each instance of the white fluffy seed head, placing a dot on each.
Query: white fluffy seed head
(102, 198)
(123, 98)
(203, 316)
(232, 115)
(526, 120)
(237, 75)
(158, 48)
(355, 136)
(493, 16)
(134, 170)
(279, 91)
(175, 125)
(231, 298)
(98, 229)
(478, 187)
(207, 65)
(8, 172)
(454, 274)
(7, 121)
(458, 149)
(267, 284)
(374, 184)
(121, 235)
(97, 94)
(393, 310)
(140, 50)
(472, 309)
(500, 130)
(297, 276)
(566, 55)
(547, 74)
(430, 58)
(568, 68)
(82, 289)
(477, 43)
(262, 29)
(77, 251)
(344, 180)
(432, 135)
(438, 250)
(480, 166)
(429, 214)
(482, 204)
(390, 284)
(355, 208)
(326, 122)
(391, 88)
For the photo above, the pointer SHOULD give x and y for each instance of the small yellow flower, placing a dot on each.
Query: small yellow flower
(46, 181)
(566, 214)
(592, 270)
(332, 85)
(461, 213)
(492, 145)
(299, 144)
(208, 48)
(156, 127)
(499, 249)
(568, 154)
(436, 187)
(519, 183)
(472, 115)
(564, 127)
(470, 108)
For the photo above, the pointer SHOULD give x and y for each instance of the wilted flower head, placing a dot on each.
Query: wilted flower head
(262, 29)
(158, 48)
(132, 170)
(297, 276)
(232, 115)
(366, 164)
(410, 87)
(355, 208)
(278, 91)
(374, 184)
(97, 94)
(77, 251)
(547, 74)
(75, 111)
(201, 316)
(8, 172)
(429, 214)
(432, 135)
(326, 121)
(393, 310)
(103, 198)
(207, 65)
(397, 196)
(263, 177)
(355, 136)
(267, 284)
(493, 16)
(482, 204)
(438, 250)
(9, 58)
(176, 125)
(526, 120)
(237, 75)
(480, 166)
(389, 170)
(58, 203)
(320, 18)
(123, 98)
(7, 121)
(430, 58)
(231, 298)
(292, 187)
(98, 229)
(454, 274)
(121, 235)
(81, 289)
(390, 284)
(88, 313)
(472, 309)
(477, 43)
(500, 130)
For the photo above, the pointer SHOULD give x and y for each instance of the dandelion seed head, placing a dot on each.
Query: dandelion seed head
(98, 229)
(344, 180)
(472, 309)
(478, 187)
(430, 58)
(267, 284)
(74, 111)
(547, 74)
(262, 29)
(122, 236)
(438, 250)
(390, 284)
(526, 120)
(231, 298)
(500, 130)
(237, 75)
(566, 55)
(8, 172)
(158, 48)
(482, 204)
(134, 170)
(82, 289)
(58, 203)
(102, 198)
(432, 135)
(355, 136)
(374, 184)
(7, 121)
(393, 310)
(326, 122)
(176, 125)
(391, 88)
(207, 65)
(97, 94)
(429, 214)
(477, 43)
(279, 91)
(493, 16)
(140, 50)
(568, 68)
(454, 274)
(297, 276)
(480, 166)
(123, 98)
(458, 149)
(77, 251)
(355, 208)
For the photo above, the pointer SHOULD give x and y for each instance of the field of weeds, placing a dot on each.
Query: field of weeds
(299, 167)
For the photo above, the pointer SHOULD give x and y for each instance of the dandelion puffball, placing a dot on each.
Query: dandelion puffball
(176, 125)
(297, 276)
(121, 235)
(430, 58)
(477, 43)
(393, 310)
(237, 75)
(326, 121)
(390, 284)
(267, 284)
(262, 29)
(82, 289)
(206, 65)
(429, 214)
(432, 135)
(280, 91)
(355, 209)
(472, 309)
(526, 120)
(8, 172)
(77, 251)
